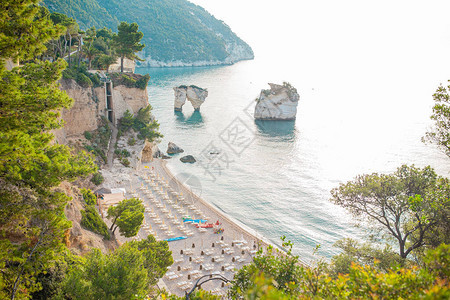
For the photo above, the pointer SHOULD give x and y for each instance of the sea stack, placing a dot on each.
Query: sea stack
(194, 94)
(278, 103)
(180, 97)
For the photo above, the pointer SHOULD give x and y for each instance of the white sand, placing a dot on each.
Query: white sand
(185, 269)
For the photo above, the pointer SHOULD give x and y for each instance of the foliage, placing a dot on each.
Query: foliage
(125, 162)
(24, 29)
(127, 42)
(263, 279)
(118, 275)
(52, 280)
(97, 178)
(399, 205)
(82, 76)
(142, 82)
(130, 80)
(87, 135)
(131, 141)
(91, 220)
(366, 255)
(439, 134)
(175, 29)
(157, 257)
(99, 141)
(143, 123)
(32, 221)
(88, 197)
(127, 216)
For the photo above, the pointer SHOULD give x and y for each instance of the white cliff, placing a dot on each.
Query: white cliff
(278, 103)
(194, 94)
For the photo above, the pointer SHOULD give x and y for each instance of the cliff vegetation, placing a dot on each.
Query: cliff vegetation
(174, 30)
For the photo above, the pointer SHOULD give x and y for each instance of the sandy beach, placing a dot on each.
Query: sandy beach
(219, 250)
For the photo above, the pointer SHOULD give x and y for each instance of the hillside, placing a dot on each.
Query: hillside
(176, 32)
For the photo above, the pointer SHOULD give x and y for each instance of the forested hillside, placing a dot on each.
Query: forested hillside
(174, 30)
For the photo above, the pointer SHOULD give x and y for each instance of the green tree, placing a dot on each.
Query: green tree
(105, 61)
(127, 216)
(89, 49)
(440, 133)
(364, 254)
(157, 257)
(397, 205)
(259, 281)
(24, 29)
(126, 42)
(119, 275)
(32, 220)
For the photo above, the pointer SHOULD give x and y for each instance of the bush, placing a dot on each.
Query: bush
(91, 220)
(95, 78)
(125, 153)
(142, 82)
(131, 141)
(83, 80)
(88, 135)
(128, 81)
(97, 178)
(125, 162)
(88, 197)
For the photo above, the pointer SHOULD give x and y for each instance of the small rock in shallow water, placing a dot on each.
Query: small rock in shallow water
(188, 159)
(173, 149)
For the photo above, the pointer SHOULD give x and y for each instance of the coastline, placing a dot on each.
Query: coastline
(235, 224)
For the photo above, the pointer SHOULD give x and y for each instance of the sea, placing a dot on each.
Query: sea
(365, 104)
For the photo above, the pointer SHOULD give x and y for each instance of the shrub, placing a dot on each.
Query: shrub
(97, 178)
(131, 141)
(128, 81)
(95, 78)
(91, 220)
(88, 197)
(88, 135)
(142, 82)
(83, 80)
(125, 162)
(125, 153)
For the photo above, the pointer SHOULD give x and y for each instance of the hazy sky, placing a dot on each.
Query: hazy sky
(413, 32)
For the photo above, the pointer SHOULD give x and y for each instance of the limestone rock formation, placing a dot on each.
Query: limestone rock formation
(194, 94)
(90, 104)
(188, 159)
(173, 149)
(278, 103)
(180, 97)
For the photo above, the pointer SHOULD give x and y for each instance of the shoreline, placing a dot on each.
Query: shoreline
(233, 222)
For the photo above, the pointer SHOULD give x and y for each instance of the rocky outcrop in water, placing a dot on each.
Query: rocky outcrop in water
(278, 103)
(173, 149)
(188, 159)
(194, 94)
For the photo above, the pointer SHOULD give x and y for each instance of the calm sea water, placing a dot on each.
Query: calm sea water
(276, 177)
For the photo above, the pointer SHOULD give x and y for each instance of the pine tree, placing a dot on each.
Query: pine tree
(126, 42)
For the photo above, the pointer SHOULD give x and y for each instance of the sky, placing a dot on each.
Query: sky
(416, 33)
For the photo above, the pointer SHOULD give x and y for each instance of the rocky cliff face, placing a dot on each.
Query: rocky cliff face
(278, 103)
(194, 94)
(90, 104)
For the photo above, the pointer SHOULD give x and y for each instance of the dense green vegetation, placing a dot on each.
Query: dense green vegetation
(130, 80)
(128, 216)
(275, 275)
(173, 29)
(32, 166)
(142, 123)
(91, 220)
